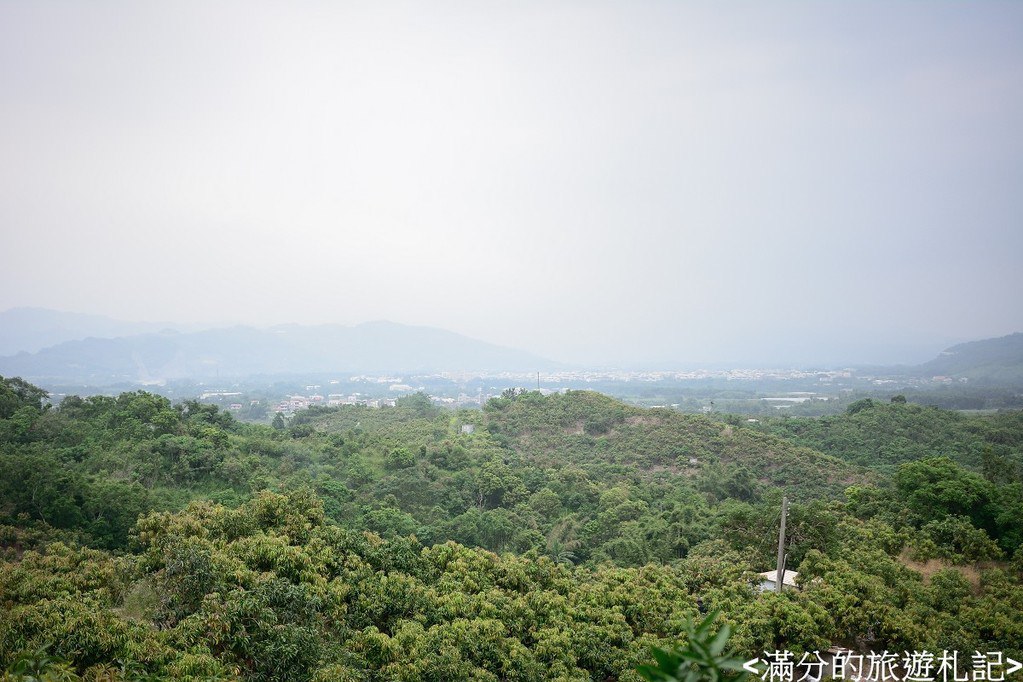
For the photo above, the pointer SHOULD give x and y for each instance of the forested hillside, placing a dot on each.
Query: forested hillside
(884, 435)
(989, 362)
(557, 538)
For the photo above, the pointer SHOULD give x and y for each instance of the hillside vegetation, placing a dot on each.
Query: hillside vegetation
(883, 435)
(560, 539)
(989, 362)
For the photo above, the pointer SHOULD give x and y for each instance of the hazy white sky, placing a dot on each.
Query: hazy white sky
(596, 182)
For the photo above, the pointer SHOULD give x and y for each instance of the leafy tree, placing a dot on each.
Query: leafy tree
(859, 406)
(16, 393)
(937, 487)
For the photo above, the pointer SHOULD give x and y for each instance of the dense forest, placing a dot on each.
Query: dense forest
(543, 537)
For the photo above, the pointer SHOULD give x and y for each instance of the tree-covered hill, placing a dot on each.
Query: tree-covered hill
(996, 361)
(576, 475)
(558, 540)
(587, 429)
(884, 435)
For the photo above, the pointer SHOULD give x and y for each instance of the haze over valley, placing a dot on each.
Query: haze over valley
(259, 372)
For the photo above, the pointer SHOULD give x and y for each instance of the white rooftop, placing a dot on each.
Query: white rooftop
(772, 576)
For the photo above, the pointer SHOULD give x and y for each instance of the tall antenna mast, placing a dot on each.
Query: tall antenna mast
(780, 581)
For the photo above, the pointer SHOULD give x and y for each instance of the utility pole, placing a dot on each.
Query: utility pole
(538, 381)
(780, 581)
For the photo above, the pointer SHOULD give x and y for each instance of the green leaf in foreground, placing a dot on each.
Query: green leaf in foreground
(701, 659)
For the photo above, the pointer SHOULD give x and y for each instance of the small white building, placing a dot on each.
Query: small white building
(468, 428)
(769, 580)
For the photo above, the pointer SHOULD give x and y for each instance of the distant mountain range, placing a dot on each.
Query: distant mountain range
(92, 350)
(32, 329)
(374, 347)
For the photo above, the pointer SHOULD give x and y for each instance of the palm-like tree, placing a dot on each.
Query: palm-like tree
(562, 542)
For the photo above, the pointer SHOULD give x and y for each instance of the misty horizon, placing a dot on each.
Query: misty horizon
(45, 325)
(644, 184)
